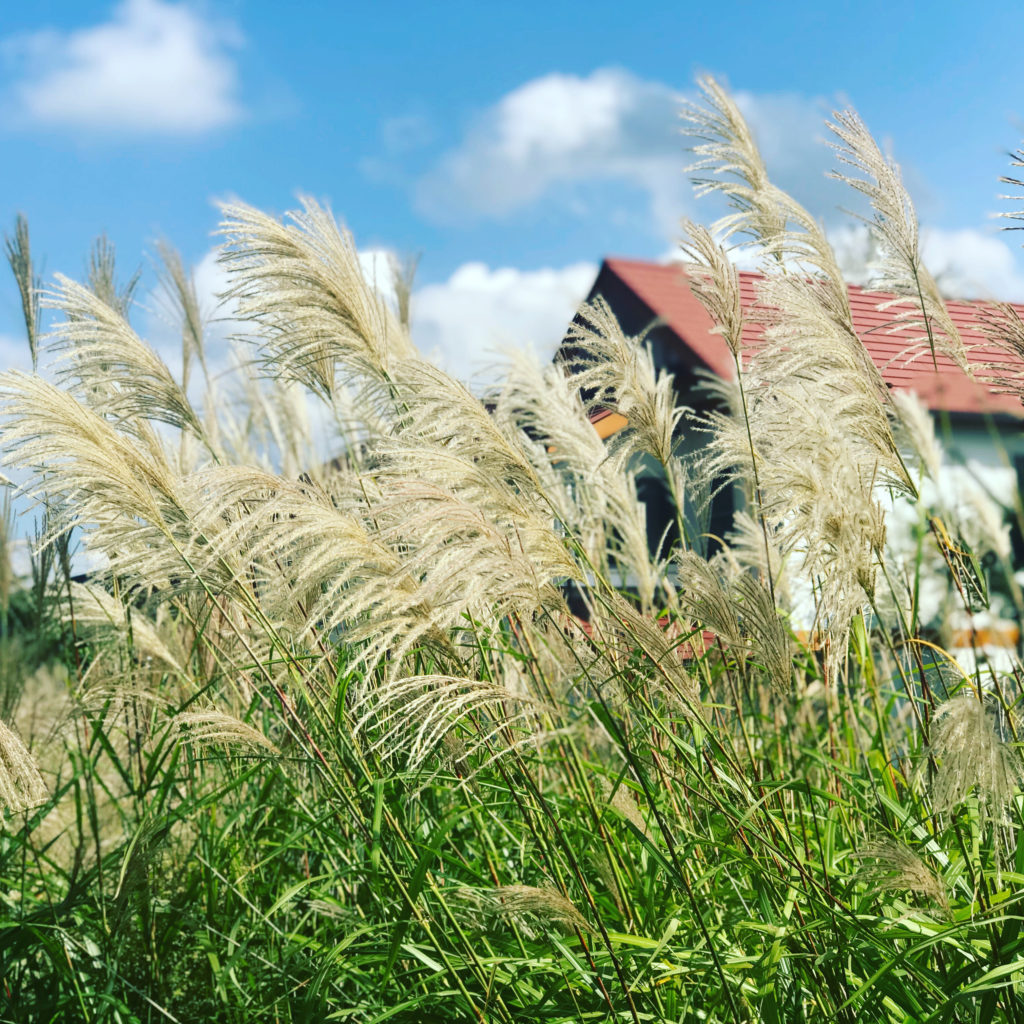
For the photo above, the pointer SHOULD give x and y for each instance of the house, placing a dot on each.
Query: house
(656, 298)
(981, 429)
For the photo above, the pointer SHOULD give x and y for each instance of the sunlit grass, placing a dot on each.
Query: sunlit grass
(331, 746)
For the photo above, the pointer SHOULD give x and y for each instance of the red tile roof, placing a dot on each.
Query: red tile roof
(665, 291)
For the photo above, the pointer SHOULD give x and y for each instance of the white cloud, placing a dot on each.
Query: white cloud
(852, 246)
(967, 262)
(561, 129)
(560, 132)
(212, 281)
(155, 68)
(463, 321)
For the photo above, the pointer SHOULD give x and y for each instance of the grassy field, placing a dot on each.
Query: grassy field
(324, 742)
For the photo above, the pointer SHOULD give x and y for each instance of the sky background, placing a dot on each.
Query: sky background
(513, 146)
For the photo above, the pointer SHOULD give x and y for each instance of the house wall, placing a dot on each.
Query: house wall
(980, 457)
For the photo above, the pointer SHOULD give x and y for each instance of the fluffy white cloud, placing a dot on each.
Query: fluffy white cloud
(479, 310)
(154, 68)
(562, 131)
(559, 129)
(853, 248)
(967, 263)
(461, 322)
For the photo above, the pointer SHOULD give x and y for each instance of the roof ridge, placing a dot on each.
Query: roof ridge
(851, 286)
(662, 288)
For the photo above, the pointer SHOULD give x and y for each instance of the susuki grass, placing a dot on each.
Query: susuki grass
(325, 742)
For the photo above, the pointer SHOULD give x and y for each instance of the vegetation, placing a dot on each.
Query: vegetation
(324, 742)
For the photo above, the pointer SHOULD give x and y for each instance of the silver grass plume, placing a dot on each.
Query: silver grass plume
(803, 304)
(622, 632)
(21, 785)
(971, 755)
(741, 613)
(111, 698)
(892, 866)
(622, 802)
(805, 347)
(817, 470)
(715, 281)
(988, 530)
(179, 289)
(288, 442)
(103, 362)
(1003, 328)
(318, 320)
(704, 595)
(767, 632)
(442, 414)
(1016, 160)
(94, 610)
(593, 497)
(102, 277)
(128, 708)
(8, 527)
(215, 727)
(19, 256)
(809, 423)
(462, 497)
(419, 716)
(150, 524)
(745, 551)
(319, 566)
(620, 372)
(47, 429)
(261, 421)
(488, 562)
(535, 906)
(915, 424)
(902, 269)
(727, 151)
(403, 274)
(784, 230)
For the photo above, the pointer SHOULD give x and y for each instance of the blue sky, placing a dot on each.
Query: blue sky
(512, 145)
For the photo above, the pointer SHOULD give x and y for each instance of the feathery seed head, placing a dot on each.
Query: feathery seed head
(532, 905)
(106, 365)
(915, 424)
(302, 285)
(213, 726)
(714, 279)
(616, 371)
(623, 803)
(902, 269)
(788, 236)
(971, 754)
(19, 256)
(897, 868)
(21, 785)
